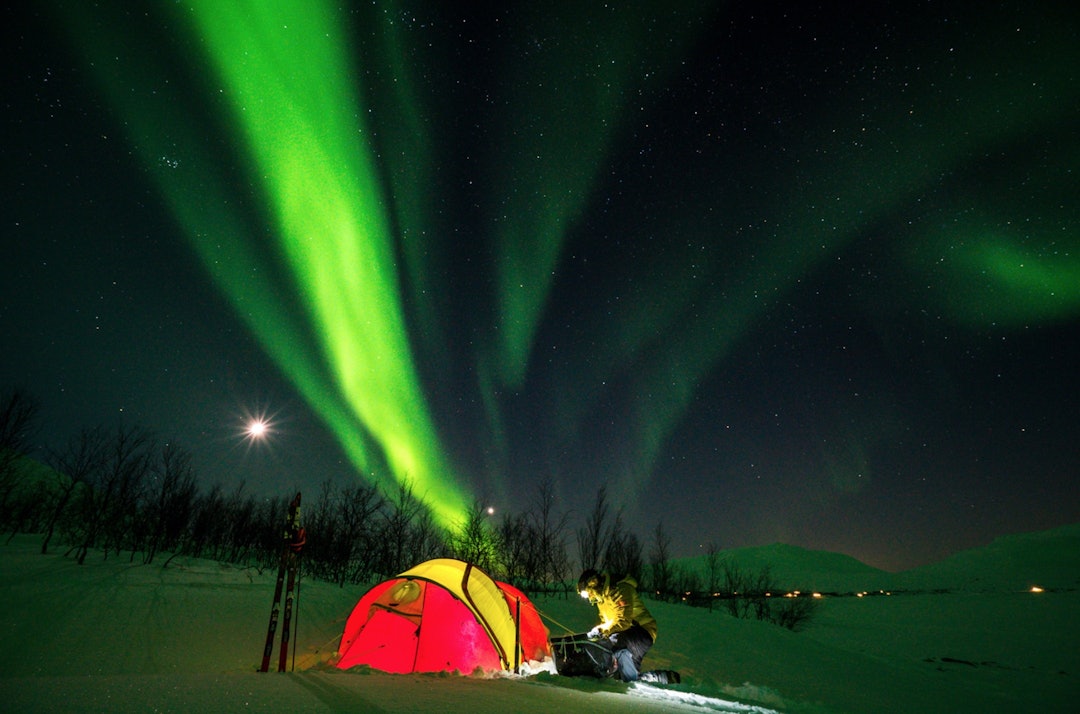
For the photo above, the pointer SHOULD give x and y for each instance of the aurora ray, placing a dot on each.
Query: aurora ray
(571, 103)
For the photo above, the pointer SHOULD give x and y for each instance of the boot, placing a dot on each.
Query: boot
(661, 676)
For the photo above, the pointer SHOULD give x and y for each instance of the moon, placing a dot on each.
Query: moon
(257, 428)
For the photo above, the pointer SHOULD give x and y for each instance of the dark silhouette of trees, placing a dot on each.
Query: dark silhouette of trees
(660, 580)
(609, 547)
(548, 562)
(117, 491)
(407, 533)
(107, 504)
(357, 534)
(109, 507)
(476, 541)
(515, 549)
(592, 537)
(713, 569)
(19, 420)
(79, 463)
(532, 545)
(170, 500)
(623, 551)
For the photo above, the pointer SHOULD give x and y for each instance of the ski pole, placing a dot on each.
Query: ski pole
(296, 607)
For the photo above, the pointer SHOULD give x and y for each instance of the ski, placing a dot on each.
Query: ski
(293, 537)
(286, 619)
(271, 628)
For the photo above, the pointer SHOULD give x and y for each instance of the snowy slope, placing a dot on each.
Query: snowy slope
(115, 636)
(795, 568)
(1049, 559)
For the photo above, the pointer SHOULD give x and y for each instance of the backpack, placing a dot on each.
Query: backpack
(578, 656)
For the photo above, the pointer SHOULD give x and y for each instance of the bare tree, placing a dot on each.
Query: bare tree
(746, 593)
(398, 524)
(79, 465)
(546, 560)
(660, 562)
(171, 500)
(623, 551)
(355, 540)
(735, 589)
(516, 552)
(426, 539)
(115, 500)
(208, 525)
(18, 422)
(712, 572)
(794, 613)
(593, 536)
(242, 534)
(324, 518)
(475, 542)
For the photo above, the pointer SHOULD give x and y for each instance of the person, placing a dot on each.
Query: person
(624, 620)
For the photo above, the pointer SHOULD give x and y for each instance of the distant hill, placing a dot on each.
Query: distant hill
(1048, 559)
(29, 478)
(795, 568)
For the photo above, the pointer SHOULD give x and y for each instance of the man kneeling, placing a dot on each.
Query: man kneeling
(625, 622)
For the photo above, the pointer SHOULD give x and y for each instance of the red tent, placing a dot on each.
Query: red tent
(443, 615)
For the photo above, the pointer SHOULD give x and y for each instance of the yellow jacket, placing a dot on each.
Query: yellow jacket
(620, 606)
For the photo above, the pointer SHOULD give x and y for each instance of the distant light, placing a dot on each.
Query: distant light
(257, 428)
(491, 510)
(1036, 589)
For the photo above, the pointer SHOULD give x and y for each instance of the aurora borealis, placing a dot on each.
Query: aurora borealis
(781, 273)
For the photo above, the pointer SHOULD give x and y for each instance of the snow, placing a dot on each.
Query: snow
(118, 636)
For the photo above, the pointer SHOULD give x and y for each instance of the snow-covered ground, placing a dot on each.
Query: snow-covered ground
(113, 636)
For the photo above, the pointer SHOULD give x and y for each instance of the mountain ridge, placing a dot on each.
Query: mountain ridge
(1048, 559)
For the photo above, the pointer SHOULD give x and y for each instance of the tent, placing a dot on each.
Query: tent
(443, 615)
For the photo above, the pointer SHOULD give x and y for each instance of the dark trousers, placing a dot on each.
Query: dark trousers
(636, 639)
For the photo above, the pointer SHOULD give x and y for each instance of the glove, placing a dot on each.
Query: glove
(593, 633)
(614, 637)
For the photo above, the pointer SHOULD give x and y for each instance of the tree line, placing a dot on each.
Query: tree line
(122, 493)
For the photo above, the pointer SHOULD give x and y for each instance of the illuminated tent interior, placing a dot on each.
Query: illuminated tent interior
(443, 615)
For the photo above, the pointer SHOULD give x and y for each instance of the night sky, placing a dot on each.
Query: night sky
(800, 272)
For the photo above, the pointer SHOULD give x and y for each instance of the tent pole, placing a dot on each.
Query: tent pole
(517, 637)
